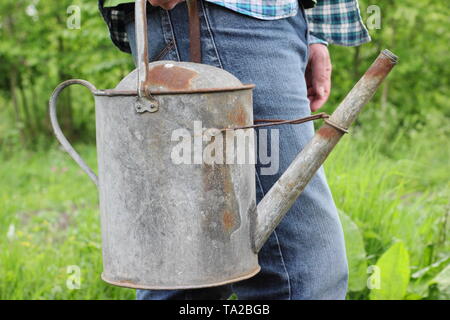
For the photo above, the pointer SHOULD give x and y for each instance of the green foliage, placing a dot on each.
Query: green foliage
(38, 50)
(391, 198)
(49, 221)
(416, 93)
(394, 274)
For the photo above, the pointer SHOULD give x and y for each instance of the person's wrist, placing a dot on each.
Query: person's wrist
(316, 40)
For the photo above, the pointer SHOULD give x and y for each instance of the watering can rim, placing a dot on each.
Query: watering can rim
(165, 79)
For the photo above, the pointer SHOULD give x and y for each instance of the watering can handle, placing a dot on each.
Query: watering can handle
(57, 129)
(140, 12)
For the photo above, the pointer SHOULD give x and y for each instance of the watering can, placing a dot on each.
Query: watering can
(177, 226)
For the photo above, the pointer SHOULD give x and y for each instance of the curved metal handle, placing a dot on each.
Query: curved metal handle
(57, 129)
(143, 76)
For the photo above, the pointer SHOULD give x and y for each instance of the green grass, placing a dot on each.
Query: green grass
(392, 199)
(53, 208)
(403, 197)
(49, 214)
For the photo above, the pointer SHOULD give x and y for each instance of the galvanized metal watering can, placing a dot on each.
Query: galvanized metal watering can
(171, 226)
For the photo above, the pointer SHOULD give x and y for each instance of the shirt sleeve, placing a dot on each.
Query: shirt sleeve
(337, 22)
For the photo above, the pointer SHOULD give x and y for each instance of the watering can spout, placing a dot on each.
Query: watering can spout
(287, 189)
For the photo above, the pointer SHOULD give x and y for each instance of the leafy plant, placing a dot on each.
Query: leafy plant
(393, 266)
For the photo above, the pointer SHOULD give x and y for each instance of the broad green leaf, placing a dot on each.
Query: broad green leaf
(394, 274)
(356, 254)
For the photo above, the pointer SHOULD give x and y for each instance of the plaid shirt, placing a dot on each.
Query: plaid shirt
(335, 21)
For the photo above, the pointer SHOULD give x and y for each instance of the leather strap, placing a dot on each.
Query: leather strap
(195, 49)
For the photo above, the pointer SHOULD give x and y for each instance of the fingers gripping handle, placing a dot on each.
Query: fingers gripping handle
(57, 129)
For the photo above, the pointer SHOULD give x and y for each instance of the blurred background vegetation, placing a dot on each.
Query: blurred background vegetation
(390, 177)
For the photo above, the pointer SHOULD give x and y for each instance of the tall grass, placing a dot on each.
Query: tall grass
(391, 199)
(49, 221)
(396, 193)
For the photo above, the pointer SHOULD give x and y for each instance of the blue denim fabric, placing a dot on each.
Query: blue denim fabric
(305, 257)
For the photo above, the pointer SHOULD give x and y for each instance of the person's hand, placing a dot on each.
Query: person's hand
(318, 76)
(165, 4)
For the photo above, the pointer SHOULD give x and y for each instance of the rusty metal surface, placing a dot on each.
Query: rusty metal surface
(364, 89)
(172, 77)
(286, 190)
(166, 225)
